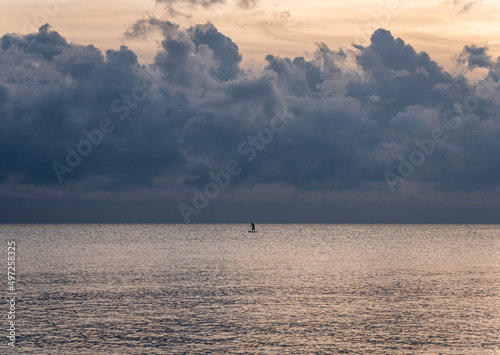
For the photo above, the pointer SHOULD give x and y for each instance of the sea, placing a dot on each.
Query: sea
(217, 289)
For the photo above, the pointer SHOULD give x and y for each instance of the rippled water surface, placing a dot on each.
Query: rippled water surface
(288, 289)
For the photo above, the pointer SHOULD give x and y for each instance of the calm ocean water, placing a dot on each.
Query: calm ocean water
(288, 289)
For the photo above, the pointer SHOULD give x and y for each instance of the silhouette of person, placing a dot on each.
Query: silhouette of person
(253, 227)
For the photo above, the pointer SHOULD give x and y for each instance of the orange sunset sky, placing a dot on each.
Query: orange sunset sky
(286, 28)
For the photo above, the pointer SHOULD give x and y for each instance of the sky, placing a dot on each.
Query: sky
(199, 111)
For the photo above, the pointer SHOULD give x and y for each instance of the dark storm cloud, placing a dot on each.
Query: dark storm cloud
(179, 45)
(352, 113)
(403, 76)
(45, 43)
(475, 57)
(225, 51)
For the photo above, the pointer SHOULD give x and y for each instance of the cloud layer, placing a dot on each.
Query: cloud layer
(353, 113)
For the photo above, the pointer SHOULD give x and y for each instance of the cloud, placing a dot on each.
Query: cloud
(245, 4)
(475, 57)
(143, 27)
(225, 51)
(45, 43)
(203, 3)
(465, 5)
(352, 113)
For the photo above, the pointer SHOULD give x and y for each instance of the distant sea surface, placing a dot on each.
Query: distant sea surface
(287, 289)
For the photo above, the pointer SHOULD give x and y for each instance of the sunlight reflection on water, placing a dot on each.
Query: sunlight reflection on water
(288, 289)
